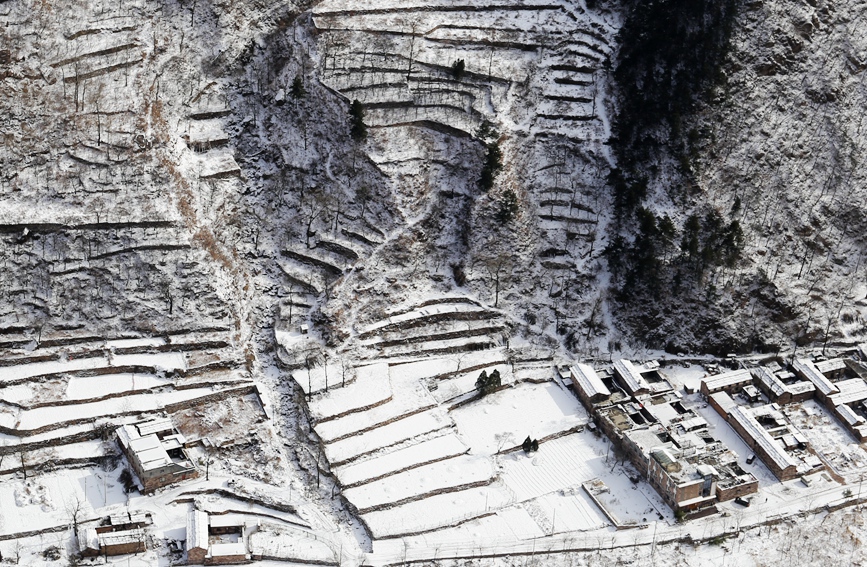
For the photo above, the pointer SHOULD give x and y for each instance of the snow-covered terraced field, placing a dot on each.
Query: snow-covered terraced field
(371, 386)
(451, 388)
(423, 481)
(412, 398)
(569, 511)
(411, 427)
(444, 447)
(82, 388)
(567, 461)
(444, 366)
(25, 371)
(49, 416)
(437, 512)
(503, 419)
(157, 361)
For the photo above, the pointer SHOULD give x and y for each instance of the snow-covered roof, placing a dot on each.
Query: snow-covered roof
(694, 423)
(157, 425)
(141, 439)
(727, 380)
(197, 530)
(851, 391)
(706, 470)
(224, 549)
(723, 400)
(87, 539)
(124, 517)
(142, 444)
(173, 442)
(754, 429)
(585, 378)
(769, 380)
(153, 458)
(808, 370)
(122, 537)
(848, 414)
(801, 387)
(138, 516)
(226, 521)
(832, 365)
(632, 379)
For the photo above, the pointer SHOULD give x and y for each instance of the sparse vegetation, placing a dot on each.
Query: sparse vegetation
(507, 206)
(298, 91)
(530, 445)
(493, 165)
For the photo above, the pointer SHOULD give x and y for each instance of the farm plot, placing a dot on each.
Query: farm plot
(346, 450)
(506, 525)
(50, 416)
(445, 367)
(440, 511)
(371, 386)
(438, 448)
(453, 388)
(82, 388)
(25, 371)
(135, 342)
(570, 510)
(407, 397)
(421, 482)
(158, 360)
(502, 420)
(44, 501)
(296, 545)
(422, 314)
(558, 464)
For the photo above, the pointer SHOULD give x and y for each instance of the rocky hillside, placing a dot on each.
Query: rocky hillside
(587, 176)
(740, 158)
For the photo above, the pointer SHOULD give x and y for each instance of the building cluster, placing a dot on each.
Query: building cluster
(637, 408)
(737, 397)
(838, 384)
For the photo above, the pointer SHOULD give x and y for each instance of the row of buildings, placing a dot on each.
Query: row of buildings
(671, 445)
(839, 384)
(212, 539)
(637, 408)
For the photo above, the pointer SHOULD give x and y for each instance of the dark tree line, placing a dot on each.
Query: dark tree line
(642, 265)
(670, 64)
(670, 61)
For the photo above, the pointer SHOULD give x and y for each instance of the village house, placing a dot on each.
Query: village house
(729, 382)
(155, 450)
(217, 539)
(782, 386)
(121, 534)
(588, 386)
